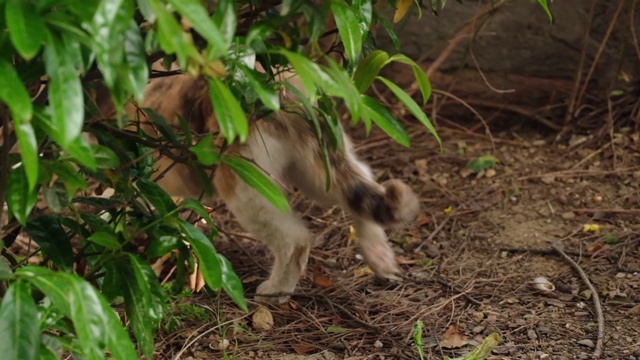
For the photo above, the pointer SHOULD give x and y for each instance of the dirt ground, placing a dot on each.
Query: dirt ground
(470, 259)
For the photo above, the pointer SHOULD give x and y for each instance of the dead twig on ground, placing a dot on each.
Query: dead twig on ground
(433, 233)
(597, 353)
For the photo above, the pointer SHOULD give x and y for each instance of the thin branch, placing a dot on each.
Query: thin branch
(4, 158)
(597, 353)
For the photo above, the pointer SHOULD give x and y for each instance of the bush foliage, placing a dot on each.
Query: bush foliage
(53, 56)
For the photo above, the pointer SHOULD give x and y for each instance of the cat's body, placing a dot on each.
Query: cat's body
(285, 148)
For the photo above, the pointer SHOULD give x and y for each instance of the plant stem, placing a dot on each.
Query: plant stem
(4, 159)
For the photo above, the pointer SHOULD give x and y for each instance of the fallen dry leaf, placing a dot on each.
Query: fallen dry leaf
(362, 271)
(452, 338)
(322, 281)
(262, 319)
(302, 349)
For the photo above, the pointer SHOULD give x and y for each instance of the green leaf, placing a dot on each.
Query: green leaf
(106, 239)
(161, 124)
(156, 196)
(225, 19)
(206, 151)
(49, 234)
(107, 27)
(20, 199)
(205, 252)
(387, 122)
(197, 15)
(231, 283)
(348, 27)
(26, 27)
(13, 93)
(105, 157)
(545, 6)
(79, 149)
(65, 93)
(266, 93)
(5, 269)
(368, 69)
(231, 117)
(144, 301)
(258, 181)
(19, 324)
(335, 330)
(312, 75)
(94, 320)
(136, 60)
(28, 145)
(72, 179)
(56, 196)
(421, 78)
(197, 207)
(159, 246)
(412, 107)
(483, 162)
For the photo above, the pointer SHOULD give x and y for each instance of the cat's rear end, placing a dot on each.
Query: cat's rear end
(285, 148)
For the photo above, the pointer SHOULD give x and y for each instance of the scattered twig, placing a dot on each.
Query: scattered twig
(433, 234)
(610, 211)
(573, 98)
(332, 304)
(440, 280)
(597, 353)
(603, 43)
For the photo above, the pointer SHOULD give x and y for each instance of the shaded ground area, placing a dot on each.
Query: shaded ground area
(470, 259)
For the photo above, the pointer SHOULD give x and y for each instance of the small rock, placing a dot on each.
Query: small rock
(262, 319)
(531, 334)
(548, 179)
(562, 199)
(477, 316)
(597, 199)
(378, 344)
(570, 215)
(490, 173)
(587, 343)
(478, 329)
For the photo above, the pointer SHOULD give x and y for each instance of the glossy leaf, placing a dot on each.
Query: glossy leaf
(266, 93)
(136, 60)
(197, 207)
(72, 179)
(26, 27)
(206, 151)
(368, 69)
(105, 157)
(13, 93)
(19, 324)
(28, 145)
(387, 122)
(225, 19)
(258, 181)
(545, 6)
(161, 124)
(106, 239)
(55, 195)
(421, 78)
(412, 107)
(348, 27)
(231, 117)
(94, 321)
(49, 234)
(20, 199)
(206, 254)
(155, 195)
(144, 301)
(65, 92)
(159, 246)
(198, 16)
(231, 283)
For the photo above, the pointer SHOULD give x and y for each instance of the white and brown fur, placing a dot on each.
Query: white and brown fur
(285, 147)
